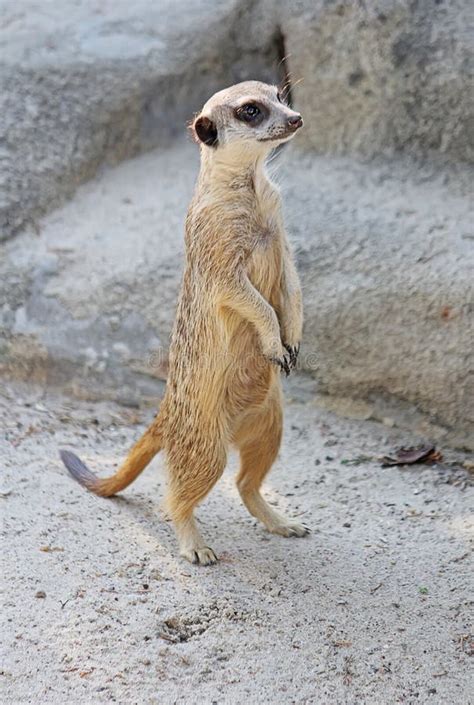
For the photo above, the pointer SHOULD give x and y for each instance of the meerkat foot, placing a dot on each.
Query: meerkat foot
(274, 522)
(202, 555)
(191, 543)
(289, 529)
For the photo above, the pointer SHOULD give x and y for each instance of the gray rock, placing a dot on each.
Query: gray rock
(87, 294)
(80, 87)
(383, 77)
(388, 283)
(386, 272)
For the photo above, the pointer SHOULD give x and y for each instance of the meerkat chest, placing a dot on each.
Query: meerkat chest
(266, 257)
(266, 211)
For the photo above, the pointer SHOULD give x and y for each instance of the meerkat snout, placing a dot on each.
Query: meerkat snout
(295, 122)
(249, 113)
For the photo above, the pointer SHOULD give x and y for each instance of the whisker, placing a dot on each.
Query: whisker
(283, 59)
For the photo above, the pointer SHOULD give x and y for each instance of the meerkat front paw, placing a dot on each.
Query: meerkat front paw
(293, 352)
(275, 353)
(283, 363)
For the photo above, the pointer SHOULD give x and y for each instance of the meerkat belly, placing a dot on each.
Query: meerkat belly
(249, 376)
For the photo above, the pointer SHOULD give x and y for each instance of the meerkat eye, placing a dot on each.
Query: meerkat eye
(279, 97)
(249, 112)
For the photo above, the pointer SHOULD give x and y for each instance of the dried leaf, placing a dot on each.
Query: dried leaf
(409, 456)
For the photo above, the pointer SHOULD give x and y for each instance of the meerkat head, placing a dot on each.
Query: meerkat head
(250, 115)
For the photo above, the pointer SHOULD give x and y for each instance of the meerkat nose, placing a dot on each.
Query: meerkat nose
(295, 121)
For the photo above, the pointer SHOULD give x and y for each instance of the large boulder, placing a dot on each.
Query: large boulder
(385, 256)
(381, 77)
(86, 86)
(89, 300)
(384, 245)
(81, 86)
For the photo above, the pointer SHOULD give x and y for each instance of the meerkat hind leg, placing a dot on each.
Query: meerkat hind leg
(191, 480)
(259, 442)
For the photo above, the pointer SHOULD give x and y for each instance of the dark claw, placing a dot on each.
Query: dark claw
(213, 560)
(293, 352)
(283, 363)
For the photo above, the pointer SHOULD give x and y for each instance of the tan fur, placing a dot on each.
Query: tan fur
(239, 306)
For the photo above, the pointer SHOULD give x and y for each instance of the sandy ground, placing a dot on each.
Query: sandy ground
(373, 607)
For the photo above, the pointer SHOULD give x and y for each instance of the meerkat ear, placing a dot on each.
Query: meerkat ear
(206, 131)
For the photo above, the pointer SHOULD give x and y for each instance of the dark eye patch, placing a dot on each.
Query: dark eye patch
(252, 113)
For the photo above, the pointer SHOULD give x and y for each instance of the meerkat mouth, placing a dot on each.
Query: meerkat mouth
(277, 138)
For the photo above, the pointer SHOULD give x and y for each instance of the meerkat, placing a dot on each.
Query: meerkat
(238, 323)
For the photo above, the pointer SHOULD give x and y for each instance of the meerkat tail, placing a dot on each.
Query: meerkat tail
(140, 455)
